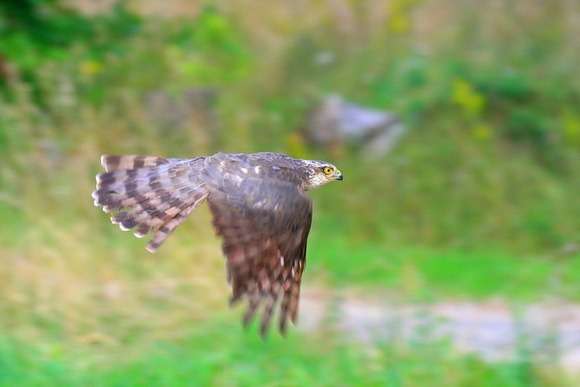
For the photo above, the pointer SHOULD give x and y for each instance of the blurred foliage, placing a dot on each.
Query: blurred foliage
(484, 185)
(209, 51)
(37, 32)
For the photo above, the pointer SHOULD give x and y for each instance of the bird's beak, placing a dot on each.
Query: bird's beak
(339, 176)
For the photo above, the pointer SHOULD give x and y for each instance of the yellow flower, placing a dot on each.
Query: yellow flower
(467, 97)
(400, 15)
(90, 68)
(399, 23)
(571, 124)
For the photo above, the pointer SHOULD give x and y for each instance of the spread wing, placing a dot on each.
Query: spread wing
(264, 223)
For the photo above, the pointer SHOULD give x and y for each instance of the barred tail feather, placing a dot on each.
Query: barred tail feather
(117, 163)
(148, 194)
(164, 231)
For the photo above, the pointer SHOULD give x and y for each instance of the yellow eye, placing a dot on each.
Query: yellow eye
(327, 171)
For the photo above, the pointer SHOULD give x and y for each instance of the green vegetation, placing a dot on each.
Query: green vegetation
(479, 200)
(429, 274)
(223, 355)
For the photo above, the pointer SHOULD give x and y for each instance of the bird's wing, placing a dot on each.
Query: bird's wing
(264, 223)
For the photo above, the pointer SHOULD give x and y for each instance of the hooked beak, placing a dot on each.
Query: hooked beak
(339, 176)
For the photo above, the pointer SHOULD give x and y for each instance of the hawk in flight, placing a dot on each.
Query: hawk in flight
(259, 207)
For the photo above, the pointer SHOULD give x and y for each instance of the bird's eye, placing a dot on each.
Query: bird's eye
(327, 171)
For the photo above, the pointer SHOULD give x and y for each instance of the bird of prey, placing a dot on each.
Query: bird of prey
(259, 207)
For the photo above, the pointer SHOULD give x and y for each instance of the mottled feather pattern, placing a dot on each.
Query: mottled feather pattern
(264, 221)
(258, 270)
(259, 208)
(148, 194)
(117, 163)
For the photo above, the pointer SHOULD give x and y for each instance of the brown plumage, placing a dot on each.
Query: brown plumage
(259, 206)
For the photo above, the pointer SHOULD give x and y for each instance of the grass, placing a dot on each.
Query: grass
(219, 354)
(424, 273)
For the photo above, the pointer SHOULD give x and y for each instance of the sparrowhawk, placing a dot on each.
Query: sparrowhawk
(259, 206)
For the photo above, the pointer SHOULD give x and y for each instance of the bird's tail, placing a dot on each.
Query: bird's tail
(148, 194)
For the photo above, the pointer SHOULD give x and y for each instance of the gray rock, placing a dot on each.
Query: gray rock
(336, 122)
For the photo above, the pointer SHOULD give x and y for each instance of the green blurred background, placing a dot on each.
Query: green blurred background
(478, 201)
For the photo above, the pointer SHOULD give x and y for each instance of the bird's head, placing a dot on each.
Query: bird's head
(320, 173)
